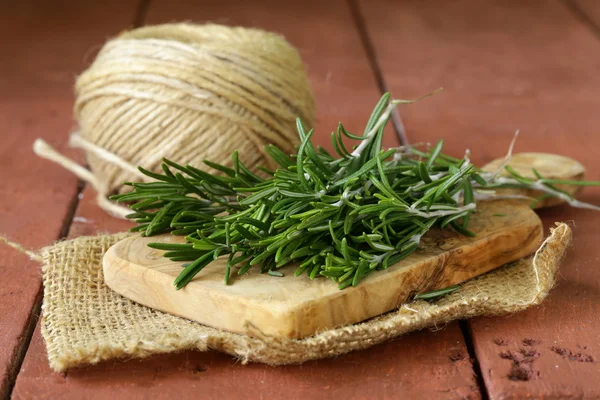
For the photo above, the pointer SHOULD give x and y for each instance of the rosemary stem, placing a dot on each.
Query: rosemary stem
(341, 216)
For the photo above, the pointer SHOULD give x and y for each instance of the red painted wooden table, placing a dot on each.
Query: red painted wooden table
(505, 65)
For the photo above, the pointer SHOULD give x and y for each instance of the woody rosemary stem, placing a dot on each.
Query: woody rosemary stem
(342, 216)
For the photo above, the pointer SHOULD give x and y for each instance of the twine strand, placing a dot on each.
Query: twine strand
(21, 249)
(188, 93)
(76, 140)
(44, 150)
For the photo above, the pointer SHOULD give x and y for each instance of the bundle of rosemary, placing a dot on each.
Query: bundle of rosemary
(340, 216)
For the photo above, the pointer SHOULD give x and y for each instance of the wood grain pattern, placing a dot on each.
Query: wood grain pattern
(323, 32)
(505, 66)
(36, 379)
(296, 307)
(345, 90)
(42, 54)
(562, 335)
(390, 370)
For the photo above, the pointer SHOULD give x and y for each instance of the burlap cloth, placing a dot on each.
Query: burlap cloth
(85, 322)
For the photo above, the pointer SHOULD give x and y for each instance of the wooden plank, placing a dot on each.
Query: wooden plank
(381, 372)
(342, 80)
(562, 336)
(214, 375)
(36, 379)
(505, 66)
(496, 70)
(345, 90)
(44, 46)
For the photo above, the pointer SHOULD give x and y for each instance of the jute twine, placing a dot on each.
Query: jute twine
(85, 322)
(189, 93)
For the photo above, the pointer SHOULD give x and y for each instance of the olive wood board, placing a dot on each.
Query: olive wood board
(297, 307)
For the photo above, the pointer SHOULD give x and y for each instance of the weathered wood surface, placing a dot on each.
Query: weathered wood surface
(527, 65)
(512, 65)
(44, 45)
(297, 307)
(345, 90)
(381, 372)
(562, 335)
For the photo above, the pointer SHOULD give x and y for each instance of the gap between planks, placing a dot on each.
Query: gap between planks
(468, 338)
(469, 335)
(369, 47)
(580, 13)
(357, 356)
(141, 12)
(37, 304)
(138, 20)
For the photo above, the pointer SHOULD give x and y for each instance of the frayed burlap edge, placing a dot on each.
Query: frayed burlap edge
(85, 322)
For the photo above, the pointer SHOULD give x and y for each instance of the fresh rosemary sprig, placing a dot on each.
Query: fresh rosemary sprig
(339, 216)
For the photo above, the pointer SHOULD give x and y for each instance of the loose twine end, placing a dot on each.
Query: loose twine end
(32, 254)
(44, 150)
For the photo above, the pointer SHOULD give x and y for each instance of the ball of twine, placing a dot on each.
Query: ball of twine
(188, 93)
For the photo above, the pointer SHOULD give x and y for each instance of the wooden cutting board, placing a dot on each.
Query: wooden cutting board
(296, 307)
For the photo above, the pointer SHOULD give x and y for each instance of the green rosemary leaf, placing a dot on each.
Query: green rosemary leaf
(436, 294)
(568, 182)
(279, 156)
(192, 270)
(170, 246)
(220, 167)
(156, 176)
(299, 158)
(342, 218)
(228, 267)
(538, 200)
(360, 272)
(477, 178)
(435, 153)
(159, 224)
(369, 165)
(309, 149)
(424, 175)
(468, 198)
(245, 267)
(451, 218)
(344, 132)
(377, 142)
(247, 234)
(345, 284)
(518, 177)
(340, 141)
(257, 223)
(461, 230)
(258, 196)
(377, 112)
(299, 195)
